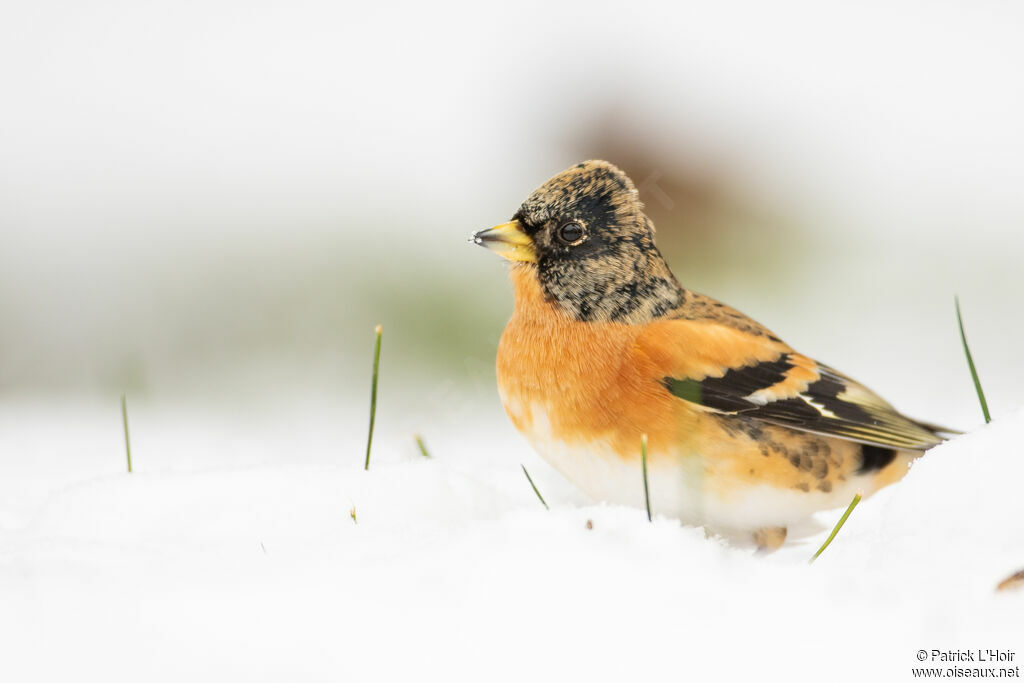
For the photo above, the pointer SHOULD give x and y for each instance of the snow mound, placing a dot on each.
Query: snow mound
(452, 566)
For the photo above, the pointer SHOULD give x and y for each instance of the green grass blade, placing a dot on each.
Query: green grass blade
(373, 396)
(127, 439)
(643, 466)
(970, 364)
(534, 487)
(422, 446)
(838, 526)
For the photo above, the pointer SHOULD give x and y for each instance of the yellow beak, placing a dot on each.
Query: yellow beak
(508, 240)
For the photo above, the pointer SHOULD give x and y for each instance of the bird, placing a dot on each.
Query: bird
(605, 349)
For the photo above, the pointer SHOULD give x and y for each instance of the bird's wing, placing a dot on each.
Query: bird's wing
(736, 371)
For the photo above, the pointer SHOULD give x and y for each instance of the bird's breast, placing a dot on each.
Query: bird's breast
(577, 382)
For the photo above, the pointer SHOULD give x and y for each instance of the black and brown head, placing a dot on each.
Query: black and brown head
(592, 248)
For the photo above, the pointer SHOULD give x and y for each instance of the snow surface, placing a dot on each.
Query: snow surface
(230, 554)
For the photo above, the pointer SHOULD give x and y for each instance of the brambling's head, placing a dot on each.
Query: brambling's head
(585, 237)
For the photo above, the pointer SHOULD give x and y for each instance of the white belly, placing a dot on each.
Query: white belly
(683, 486)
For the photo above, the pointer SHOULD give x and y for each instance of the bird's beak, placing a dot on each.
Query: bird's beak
(508, 240)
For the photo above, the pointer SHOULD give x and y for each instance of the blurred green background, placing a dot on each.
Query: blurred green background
(224, 198)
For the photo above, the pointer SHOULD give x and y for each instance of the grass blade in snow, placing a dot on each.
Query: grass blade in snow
(127, 440)
(970, 364)
(838, 526)
(422, 446)
(534, 487)
(373, 396)
(643, 466)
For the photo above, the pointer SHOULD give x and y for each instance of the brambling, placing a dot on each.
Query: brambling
(745, 435)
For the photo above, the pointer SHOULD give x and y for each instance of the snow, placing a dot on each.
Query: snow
(230, 554)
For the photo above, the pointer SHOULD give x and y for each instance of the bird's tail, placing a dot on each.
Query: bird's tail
(938, 430)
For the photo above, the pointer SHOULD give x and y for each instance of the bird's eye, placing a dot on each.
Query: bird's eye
(571, 232)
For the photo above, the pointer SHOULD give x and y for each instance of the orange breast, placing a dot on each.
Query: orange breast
(590, 379)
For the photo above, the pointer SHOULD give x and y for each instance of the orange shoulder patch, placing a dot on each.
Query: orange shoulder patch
(696, 349)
